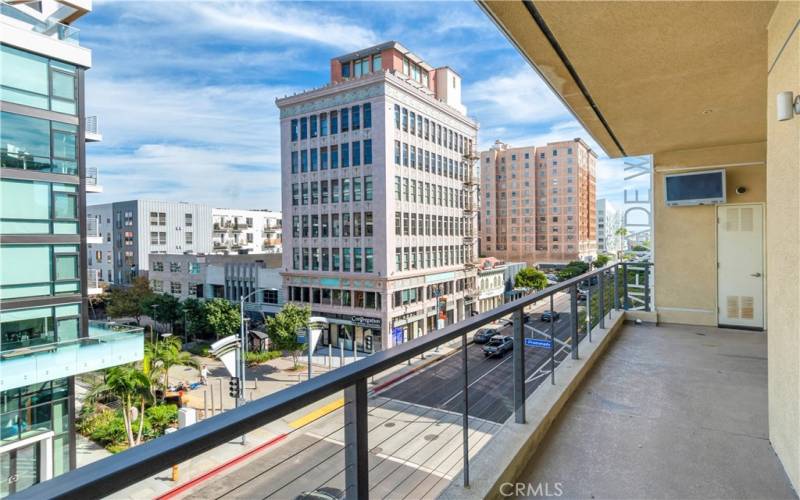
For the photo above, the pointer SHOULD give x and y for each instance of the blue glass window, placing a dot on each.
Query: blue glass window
(323, 159)
(304, 161)
(334, 122)
(314, 160)
(345, 120)
(345, 155)
(313, 125)
(294, 162)
(334, 157)
(397, 116)
(367, 115)
(303, 128)
(294, 130)
(356, 153)
(368, 152)
(323, 124)
(355, 118)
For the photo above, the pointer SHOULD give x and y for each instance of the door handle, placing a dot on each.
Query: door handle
(756, 275)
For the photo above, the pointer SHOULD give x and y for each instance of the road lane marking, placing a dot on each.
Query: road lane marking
(545, 363)
(391, 458)
(495, 367)
(317, 414)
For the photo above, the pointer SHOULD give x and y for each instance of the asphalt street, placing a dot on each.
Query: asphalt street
(415, 426)
(490, 393)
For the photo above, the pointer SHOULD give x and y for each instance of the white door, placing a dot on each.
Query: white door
(740, 274)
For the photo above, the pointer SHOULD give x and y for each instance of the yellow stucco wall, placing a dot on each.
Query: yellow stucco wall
(685, 241)
(783, 241)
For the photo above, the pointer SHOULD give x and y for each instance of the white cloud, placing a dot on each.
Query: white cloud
(209, 144)
(516, 98)
(244, 20)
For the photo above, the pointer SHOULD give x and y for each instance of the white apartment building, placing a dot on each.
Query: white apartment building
(491, 284)
(379, 199)
(140, 227)
(246, 231)
(608, 221)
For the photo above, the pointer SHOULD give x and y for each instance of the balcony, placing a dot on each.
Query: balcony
(92, 134)
(93, 234)
(107, 345)
(94, 282)
(670, 411)
(93, 181)
(51, 27)
(411, 430)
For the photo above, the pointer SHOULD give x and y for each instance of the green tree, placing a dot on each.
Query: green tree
(221, 317)
(639, 248)
(166, 354)
(283, 327)
(601, 261)
(127, 301)
(622, 233)
(574, 268)
(167, 308)
(195, 317)
(132, 388)
(530, 278)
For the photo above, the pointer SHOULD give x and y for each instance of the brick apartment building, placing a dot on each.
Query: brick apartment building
(538, 203)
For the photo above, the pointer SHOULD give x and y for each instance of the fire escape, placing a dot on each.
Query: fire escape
(470, 223)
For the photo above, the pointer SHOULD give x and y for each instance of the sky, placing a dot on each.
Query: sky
(185, 91)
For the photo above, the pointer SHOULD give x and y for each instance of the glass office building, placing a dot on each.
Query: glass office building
(45, 336)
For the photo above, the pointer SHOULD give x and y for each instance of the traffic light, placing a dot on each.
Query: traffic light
(233, 387)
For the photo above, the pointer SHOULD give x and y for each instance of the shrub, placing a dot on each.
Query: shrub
(199, 349)
(255, 358)
(161, 417)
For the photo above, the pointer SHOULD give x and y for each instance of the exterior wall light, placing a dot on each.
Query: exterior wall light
(788, 105)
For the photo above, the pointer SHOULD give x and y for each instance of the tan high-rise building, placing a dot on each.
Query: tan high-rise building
(538, 203)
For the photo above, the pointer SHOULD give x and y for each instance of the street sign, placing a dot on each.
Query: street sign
(538, 343)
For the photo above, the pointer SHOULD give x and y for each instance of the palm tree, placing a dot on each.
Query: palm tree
(133, 389)
(165, 355)
(622, 233)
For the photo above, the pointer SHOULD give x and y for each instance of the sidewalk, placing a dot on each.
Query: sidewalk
(266, 379)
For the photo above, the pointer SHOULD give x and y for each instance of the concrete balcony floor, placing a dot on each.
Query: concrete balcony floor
(670, 412)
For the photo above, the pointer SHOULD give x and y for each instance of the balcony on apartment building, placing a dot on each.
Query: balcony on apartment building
(93, 233)
(93, 180)
(35, 360)
(27, 16)
(94, 282)
(92, 132)
(631, 410)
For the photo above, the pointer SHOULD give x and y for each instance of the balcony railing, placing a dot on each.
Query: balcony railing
(92, 227)
(48, 27)
(107, 345)
(604, 289)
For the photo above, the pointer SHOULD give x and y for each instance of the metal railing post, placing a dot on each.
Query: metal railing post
(519, 368)
(625, 300)
(573, 319)
(465, 417)
(647, 287)
(589, 310)
(601, 303)
(616, 287)
(356, 452)
(552, 343)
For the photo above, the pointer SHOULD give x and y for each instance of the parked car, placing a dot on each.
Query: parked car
(550, 316)
(505, 322)
(592, 281)
(498, 345)
(323, 493)
(581, 295)
(483, 335)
